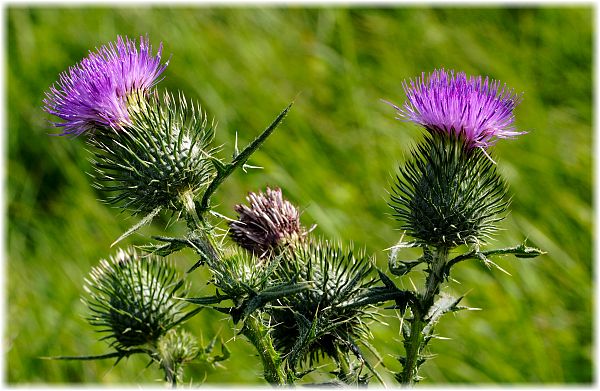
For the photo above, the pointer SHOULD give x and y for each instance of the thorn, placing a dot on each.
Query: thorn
(487, 155)
(413, 284)
(236, 151)
(217, 214)
(246, 166)
(499, 268)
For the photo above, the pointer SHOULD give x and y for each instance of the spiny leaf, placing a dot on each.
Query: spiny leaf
(146, 220)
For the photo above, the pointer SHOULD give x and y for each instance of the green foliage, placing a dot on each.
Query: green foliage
(333, 157)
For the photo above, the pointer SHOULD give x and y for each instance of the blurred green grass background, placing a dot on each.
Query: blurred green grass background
(334, 156)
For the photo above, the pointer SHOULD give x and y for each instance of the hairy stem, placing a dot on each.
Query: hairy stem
(417, 340)
(435, 277)
(171, 375)
(259, 336)
(413, 349)
(343, 363)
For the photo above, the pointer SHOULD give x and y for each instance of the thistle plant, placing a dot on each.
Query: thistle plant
(448, 193)
(323, 316)
(301, 300)
(151, 152)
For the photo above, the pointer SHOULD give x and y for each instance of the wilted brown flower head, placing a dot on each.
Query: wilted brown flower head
(268, 224)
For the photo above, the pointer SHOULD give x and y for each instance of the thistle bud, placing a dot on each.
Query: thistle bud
(162, 159)
(268, 224)
(133, 299)
(238, 270)
(176, 348)
(318, 321)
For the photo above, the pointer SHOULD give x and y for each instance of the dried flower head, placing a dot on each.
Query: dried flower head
(270, 222)
(478, 110)
(93, 93)
(133, 299)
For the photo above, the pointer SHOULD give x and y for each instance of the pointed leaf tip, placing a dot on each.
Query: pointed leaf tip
(528, 252)
(146, 220)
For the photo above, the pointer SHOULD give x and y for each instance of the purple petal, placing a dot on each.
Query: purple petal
(480, 110)
(94, 92)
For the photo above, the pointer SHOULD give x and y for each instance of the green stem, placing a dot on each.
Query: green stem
(343, 362)
(435, 277)
(413, 350)
(171, 374)
(259, 336)
(416, 341)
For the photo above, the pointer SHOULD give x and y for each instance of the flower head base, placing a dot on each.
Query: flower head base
(93, 94)
(321, 321)
(269, 223)
(160, 160)
(478, 110)
(134, 299)
(237, 271)
(447, 195)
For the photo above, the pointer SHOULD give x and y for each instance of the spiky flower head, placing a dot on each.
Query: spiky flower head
(93, 93)
(478, 110)
(237, 271)
(322, 321)
(134, 299)
(161, 160)
(268, 223)
(447, 195)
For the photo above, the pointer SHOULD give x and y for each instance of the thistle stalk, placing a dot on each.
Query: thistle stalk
(417, 339)
(343, 363)
(449, 193)
(435, 277)
(258, 335)
(413, 348)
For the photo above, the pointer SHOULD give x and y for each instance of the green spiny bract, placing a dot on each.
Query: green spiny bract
(447, 195)
(239, 273)
(162, 160)
(316, 322)
(134, 299)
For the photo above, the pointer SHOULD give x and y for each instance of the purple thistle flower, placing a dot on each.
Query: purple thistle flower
(267, 224)
(476, 109)
(94, 92)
